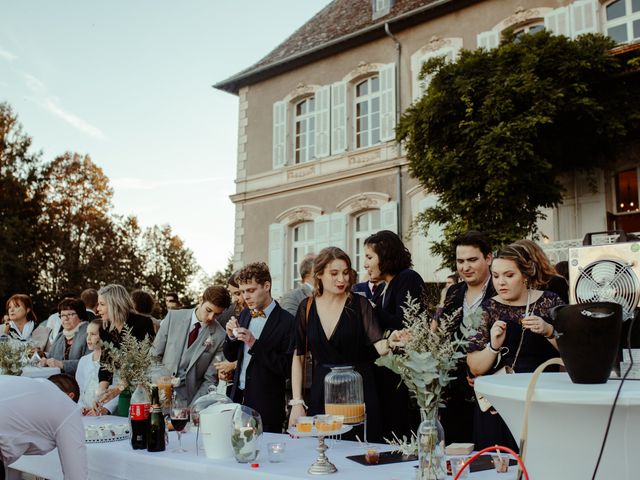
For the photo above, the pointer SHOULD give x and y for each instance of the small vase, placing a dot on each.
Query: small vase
(431, 459)
(124, 401)
(246, 433)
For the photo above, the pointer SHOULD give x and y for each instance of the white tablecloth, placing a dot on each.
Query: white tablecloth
(117, 460)
(39, 372)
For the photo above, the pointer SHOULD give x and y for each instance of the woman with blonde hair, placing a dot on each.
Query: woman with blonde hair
(517, 332)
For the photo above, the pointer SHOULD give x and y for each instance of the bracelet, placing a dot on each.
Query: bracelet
(494, 350)
(293, 402)
(554, 334)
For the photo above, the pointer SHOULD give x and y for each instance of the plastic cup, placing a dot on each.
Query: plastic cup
(305, 424)
(456, 466)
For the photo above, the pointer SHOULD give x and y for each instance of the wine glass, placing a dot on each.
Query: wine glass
(179, 414)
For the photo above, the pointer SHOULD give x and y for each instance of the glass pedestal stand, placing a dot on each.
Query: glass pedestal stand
(322, 465)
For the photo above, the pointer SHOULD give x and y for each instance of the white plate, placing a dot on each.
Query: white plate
(114, 438)
(314, 433)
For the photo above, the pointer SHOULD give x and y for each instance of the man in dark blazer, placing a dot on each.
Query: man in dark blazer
(368, 289)
(262, 343)
(473, 263)
(190, 341)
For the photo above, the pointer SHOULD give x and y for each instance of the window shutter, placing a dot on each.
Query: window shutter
(279, 134)
(388, 102)
(322, 229)
(488, 40)
(558, 22)
(339, 230)
(338, 117)
(277, 258)
(323, 115)
(583, 17)
(420, 86)
(389, 217)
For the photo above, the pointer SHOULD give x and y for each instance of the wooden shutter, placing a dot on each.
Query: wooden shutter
(338, 117)
(488, 40)
(322, 229)
(420, 86)
(279, 134)
(558, 21)
(338, 235)
(388, 102)
(389, 217)
(277, 258)
(323, 115)
(583, 17)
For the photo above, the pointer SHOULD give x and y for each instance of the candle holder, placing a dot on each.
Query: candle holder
(276, 452)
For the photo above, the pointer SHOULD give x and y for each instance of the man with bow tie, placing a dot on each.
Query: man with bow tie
(262, 343)
(190, 341)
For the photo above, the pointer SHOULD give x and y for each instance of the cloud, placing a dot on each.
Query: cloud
(53, 105)
(7, 55)
(130, 183)
(34, 84)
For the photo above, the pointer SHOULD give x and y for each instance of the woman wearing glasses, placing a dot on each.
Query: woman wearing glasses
(71, 344)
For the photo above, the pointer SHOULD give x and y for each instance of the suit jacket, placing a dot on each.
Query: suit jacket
(270, 365)
(76, 352)
(362, 288)
(171, 345)
(291, 300)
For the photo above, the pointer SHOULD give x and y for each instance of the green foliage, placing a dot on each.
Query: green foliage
(12, 356)
(497, 128)
(130, 361)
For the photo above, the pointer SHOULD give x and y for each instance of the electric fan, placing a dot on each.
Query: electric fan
(606, 273)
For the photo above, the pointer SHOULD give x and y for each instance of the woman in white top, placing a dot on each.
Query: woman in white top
(87, 375)
(22, 319)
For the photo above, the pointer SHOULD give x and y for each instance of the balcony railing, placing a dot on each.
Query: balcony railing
(559, 250)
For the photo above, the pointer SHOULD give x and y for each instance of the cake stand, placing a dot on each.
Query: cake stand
(322, 465)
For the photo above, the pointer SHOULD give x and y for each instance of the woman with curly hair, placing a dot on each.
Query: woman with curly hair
(517, 332)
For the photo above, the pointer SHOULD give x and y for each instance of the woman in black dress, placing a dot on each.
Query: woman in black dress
(340, 330)
(517, 326)
(388, 260)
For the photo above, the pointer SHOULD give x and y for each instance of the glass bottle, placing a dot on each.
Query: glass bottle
(139, 417)
(431, 444)
(156, 435)
(343, 394)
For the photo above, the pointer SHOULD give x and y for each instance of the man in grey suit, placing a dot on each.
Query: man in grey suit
(190, 341)
(291, 300)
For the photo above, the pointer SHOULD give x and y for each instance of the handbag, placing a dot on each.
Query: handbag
(307, 370)
(506, 369)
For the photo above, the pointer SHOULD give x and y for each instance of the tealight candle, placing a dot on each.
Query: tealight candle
(456, 466)
(276, 452)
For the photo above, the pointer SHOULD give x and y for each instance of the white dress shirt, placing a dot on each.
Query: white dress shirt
(30, 427)
(256, 325)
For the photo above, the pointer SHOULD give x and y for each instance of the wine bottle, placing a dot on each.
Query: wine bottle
(156, 434)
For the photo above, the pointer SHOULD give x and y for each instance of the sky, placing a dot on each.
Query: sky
(129, 82)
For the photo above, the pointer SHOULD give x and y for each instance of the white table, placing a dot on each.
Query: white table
(567, 423)
(109, 461)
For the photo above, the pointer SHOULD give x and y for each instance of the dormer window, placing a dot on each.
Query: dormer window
(381, 8)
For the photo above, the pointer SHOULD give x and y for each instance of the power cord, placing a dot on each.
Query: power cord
(615, 400)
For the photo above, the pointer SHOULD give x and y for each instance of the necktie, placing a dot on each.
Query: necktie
(193, 334)
(257, 313)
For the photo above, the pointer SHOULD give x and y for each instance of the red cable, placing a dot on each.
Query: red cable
(491, 449)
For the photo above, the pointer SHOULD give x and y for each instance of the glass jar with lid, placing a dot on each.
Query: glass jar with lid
(343, 394)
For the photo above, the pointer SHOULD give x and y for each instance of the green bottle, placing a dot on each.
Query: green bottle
(156, 434)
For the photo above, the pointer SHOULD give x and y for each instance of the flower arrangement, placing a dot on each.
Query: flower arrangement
(130, 361)
(12, 356)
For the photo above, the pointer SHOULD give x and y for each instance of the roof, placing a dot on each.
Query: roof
(342, 23)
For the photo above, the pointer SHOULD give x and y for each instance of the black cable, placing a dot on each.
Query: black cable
(615, 400)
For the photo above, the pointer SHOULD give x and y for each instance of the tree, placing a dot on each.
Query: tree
(19, 206)
(168, 263)
(497, 128)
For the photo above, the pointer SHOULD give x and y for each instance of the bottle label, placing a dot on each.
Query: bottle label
(139, 411)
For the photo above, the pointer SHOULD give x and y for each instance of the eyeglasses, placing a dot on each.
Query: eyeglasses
(64, 316)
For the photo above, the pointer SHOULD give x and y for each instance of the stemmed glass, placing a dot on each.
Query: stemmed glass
(179, 415)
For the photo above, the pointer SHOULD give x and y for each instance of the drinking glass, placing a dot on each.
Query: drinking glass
(179, 415)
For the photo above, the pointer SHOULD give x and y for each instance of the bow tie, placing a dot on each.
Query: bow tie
(257, 313)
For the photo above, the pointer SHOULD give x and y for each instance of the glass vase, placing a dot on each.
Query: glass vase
(246, 434)
(431, 458)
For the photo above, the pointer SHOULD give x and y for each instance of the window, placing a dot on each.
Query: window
(302, 243)
(380, 8)
(533, 28)
(366, 224)
(367, 111)
(627, 191)
(622, 20)
(305, 130)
